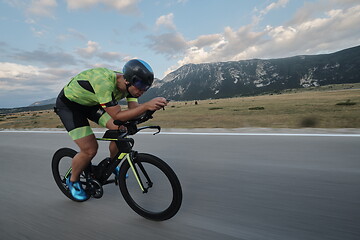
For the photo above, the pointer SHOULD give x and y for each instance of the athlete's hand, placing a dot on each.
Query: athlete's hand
(156, 104)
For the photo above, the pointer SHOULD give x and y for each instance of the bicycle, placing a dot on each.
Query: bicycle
(151, 188)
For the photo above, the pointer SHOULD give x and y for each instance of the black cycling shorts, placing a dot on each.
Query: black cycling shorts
(75, 116)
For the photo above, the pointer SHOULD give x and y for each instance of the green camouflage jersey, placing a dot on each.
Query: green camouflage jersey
(95, 86)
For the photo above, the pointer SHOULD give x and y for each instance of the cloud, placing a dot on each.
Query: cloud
(311, 9)
(14, 76)
(328, 28)
(111, 56)
(123, 6)
(93, 49)
(206, 40)
(28, 82)
(72, 34)
(37, 32)
(42, 8)
(337, 29)
(90, 51)
(4, 47)
(166, 21)
(45, 57)
(25, 73)
(137, 27)
(220, 47)
(16, 3)
(17, 71)
(274, 5)
(169, 44)
(33, 9)
(45, 8)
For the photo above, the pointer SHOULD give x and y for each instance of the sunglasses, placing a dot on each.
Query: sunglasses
(139, 84)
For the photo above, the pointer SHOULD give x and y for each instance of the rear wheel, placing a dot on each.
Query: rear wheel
(163, 196)
(61, 170)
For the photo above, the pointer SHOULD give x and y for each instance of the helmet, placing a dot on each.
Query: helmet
(139, 74)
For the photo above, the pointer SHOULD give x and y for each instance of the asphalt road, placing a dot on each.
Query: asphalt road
(235, 187)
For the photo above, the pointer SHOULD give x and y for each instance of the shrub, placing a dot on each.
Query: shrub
(256, 108)
(308, 122)
(347, 103)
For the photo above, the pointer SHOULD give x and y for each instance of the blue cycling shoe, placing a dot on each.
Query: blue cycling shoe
(117, 172)
(76, 190)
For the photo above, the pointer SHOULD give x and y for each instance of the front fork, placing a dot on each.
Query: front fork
(130, 158)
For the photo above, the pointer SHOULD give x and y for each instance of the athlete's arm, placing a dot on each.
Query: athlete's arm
(124, 115)
(132, 105)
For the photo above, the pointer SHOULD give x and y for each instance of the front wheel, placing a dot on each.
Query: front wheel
(162, 197)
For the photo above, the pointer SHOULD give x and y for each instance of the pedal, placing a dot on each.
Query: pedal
(116, 181)
(96, 189)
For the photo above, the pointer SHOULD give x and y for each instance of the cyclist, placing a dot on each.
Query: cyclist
(93, 94)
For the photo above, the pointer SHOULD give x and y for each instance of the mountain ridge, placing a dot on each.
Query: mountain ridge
(257, 76)
(253, 76)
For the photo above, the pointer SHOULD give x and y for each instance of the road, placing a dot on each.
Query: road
(235, 187)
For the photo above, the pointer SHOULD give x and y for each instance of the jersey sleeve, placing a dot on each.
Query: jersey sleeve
(130, 98)
(111, 103)
(106, 98)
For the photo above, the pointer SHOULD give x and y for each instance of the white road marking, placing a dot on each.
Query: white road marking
(211, 133)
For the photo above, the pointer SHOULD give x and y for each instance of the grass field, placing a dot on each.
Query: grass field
(333, 106)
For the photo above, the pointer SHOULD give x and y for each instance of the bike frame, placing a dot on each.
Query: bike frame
(125, 145)
(124, 156)
(126, 153)
(93, 177)
(114, 162)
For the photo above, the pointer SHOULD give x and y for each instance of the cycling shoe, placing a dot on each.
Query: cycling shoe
(117, 172)
(76, 190)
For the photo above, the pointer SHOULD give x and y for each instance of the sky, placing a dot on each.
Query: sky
(43, 43)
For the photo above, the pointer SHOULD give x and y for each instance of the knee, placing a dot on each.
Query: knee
(88, 146)
(112, 146)
(90, 151)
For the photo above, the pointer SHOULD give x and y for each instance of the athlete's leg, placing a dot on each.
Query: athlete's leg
(112, 146)
(74, 118)
(88, 149)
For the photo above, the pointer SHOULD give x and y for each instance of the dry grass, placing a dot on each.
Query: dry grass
(35, 119)
(289, 110)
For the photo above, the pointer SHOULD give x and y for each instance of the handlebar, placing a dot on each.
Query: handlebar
(131, 125)
(151, 127)
(143, 118)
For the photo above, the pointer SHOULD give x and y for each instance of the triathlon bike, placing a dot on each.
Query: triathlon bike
(148, 184)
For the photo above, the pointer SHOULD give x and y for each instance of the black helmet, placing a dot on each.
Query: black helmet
(139, 74)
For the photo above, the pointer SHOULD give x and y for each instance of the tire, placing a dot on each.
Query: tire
(61, 163)
(165, 193)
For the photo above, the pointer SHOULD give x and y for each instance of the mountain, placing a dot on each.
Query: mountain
(256, 76)
(252, 77)
(26, 109)
(44, 102)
